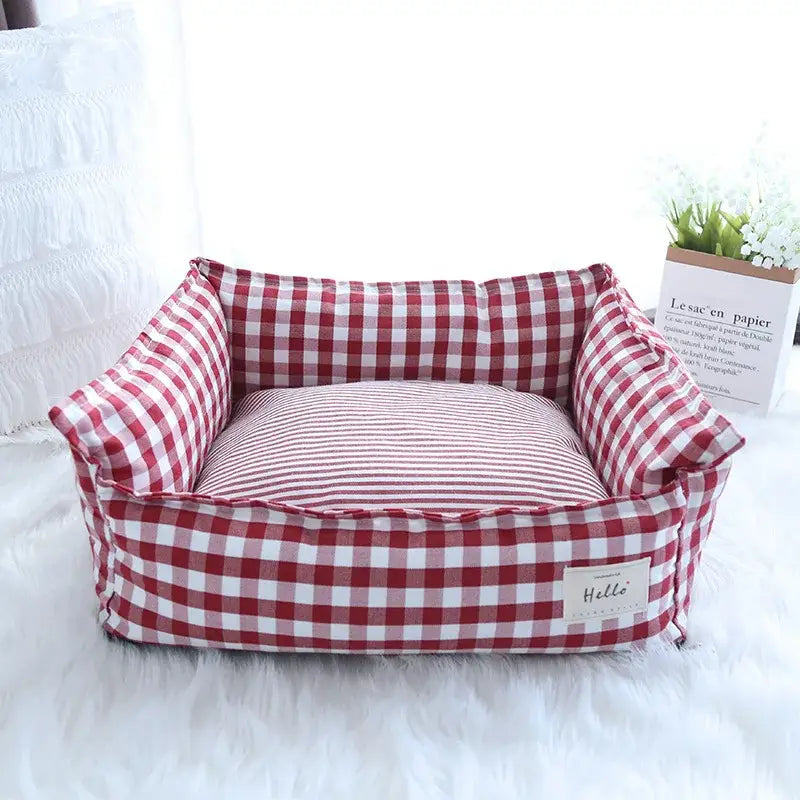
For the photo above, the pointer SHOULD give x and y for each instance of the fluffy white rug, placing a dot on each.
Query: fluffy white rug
(84, 717)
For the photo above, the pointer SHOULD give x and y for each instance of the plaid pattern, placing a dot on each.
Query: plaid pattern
(148, 422)
(521, 333)
(249, 575)
(173, 567)
(702, 490)
(646, 423)
(100, 536)
(639, 412)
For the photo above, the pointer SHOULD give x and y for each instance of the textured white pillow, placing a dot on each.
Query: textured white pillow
(77, 280)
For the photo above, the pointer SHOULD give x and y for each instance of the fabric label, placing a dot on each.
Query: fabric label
(607, 591)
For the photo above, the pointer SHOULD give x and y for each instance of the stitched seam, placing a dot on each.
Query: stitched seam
(111, 562)
(676, 580)
(575, 277)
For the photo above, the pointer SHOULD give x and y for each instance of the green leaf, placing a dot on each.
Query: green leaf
(731, 241)
(736, 222)
(707, 228)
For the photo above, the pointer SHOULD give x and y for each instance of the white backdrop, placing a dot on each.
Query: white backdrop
(472, 139)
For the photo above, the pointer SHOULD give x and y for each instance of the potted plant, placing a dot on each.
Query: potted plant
(730, 294)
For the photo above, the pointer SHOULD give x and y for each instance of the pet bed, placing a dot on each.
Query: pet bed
(281, 463)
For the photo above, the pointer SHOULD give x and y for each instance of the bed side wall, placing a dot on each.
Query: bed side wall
(148, 421)
(521, 333)
(702, 489)
(646, 423)
(100, 536)
(637, 408)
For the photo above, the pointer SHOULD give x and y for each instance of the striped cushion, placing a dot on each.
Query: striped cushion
(435, 446)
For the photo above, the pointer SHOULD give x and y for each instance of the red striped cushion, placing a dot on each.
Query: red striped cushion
(435, 446)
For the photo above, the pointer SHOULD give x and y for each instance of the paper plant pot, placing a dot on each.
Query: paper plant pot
(732, 323)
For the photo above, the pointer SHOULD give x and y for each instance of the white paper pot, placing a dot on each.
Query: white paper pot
(732, 323)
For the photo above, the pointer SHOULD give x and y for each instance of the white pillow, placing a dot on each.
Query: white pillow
(77, 280)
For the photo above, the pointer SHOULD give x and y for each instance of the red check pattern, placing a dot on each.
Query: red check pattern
(148, 422)
(100, 534)
(640, 414)
(253, 575)
(645, 423)
(520, 333)
(702, 489)
(176, 567)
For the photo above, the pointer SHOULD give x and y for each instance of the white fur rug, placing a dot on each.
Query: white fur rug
(84, 717)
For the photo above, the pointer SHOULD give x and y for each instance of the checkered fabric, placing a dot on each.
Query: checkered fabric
(640, 414)
(176, 567)
(702, 489)
(100, 532)
(148, 421)
(253, 575)
(521, 333)
(645, 423)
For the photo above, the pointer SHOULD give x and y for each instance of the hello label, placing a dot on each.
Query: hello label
(606, 591)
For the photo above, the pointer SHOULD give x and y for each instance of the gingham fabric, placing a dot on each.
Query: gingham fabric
(702, 489)
(100, 531)
(148, 421)
(521, 333)
(640, 414)
(252, 575)
(173, 567)
(428, 445)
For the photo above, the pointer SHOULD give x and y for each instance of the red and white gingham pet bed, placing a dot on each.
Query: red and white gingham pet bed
(279, 463)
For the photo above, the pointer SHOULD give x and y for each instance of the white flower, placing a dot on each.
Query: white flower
(771, 233)
(737, 201)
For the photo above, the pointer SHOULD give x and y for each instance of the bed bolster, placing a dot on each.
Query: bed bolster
(148, 421)
(638, 410)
